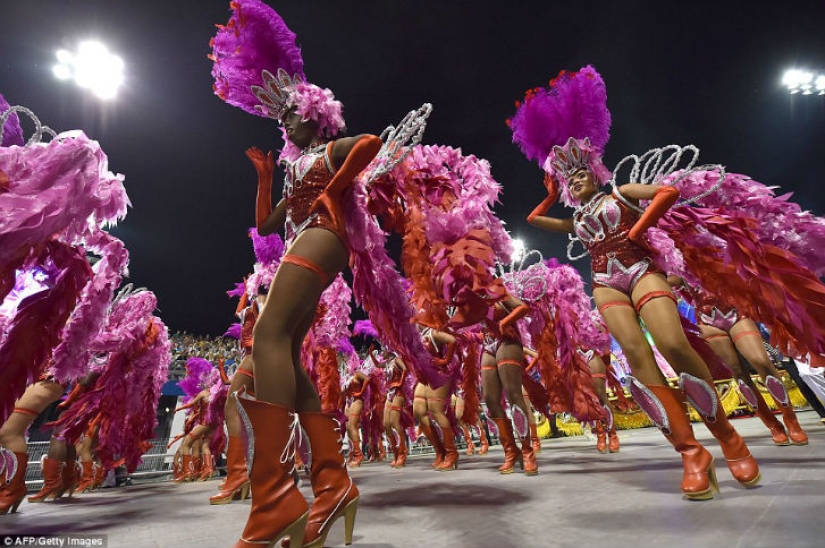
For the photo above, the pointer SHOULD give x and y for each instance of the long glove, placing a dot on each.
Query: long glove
(265, 166)
(359, 157)
(547, 203)
(663, 199)
(518, 312)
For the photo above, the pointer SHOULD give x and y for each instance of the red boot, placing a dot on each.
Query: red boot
(335, 493)
(207, 469)
(530, 466)
(483, 442)
(612, 440)
(704, 398)
(87, 478)
(52, 480)
(435, 441)
(468, 438)
(779, 392)
(100, 476)
(401, 455)
(357, 456)
(534, 436)
(758, 404)
(601, 437)
(278, 508)
(236, 486)
(666, 408)
(182, 474)
(70, 479)
(450, 461)
(512, 454)
(12, 480)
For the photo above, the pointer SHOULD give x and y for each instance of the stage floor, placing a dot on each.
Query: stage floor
(579, 498)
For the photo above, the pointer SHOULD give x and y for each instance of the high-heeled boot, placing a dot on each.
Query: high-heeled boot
(87, 477)
(450, 461)
(334, 491)
(100, 476)
(12, 480)
(278, 508)
(382, 451)
(197, 468)
(207, 469)
(601, 437)
(435, 441)
(69, 479)
(236, 485)
(666, 408)
(483, 442)
(512, 453)
(530, 466)
(534, 437)
(779, 392)
(401, 455)
(703, 397)
(357, 456)
(610, 425)
(52, 477)
(468, 439)
(758, 403)
(183, 473)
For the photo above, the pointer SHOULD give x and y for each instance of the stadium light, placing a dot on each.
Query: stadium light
(92, 67)
(804, 82)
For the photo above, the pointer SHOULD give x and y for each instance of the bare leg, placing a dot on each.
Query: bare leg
(230, 409)
(35, 399)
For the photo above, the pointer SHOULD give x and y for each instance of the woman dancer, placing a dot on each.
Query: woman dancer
(627, 282)
(501, 369)
(354, 390)
(730, 335)
(394, 408)
(320, 169)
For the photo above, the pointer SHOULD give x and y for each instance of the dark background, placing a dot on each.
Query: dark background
(706, 73)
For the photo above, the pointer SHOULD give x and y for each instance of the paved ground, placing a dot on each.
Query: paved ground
(579, 498)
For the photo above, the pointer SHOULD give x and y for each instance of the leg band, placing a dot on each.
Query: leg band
(489, 368)
(718, 336)
(24, 411)
(303, 262)
(746, 334)
(647, 297)
(599, 375)
(607, 305)
(249, 374)
(509, 362)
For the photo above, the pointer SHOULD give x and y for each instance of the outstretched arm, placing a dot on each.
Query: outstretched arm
(518, 310)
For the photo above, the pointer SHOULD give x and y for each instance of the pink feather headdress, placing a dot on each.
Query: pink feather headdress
(565, 126)
(258, 67)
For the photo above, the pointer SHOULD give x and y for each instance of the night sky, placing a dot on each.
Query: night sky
(706, 73)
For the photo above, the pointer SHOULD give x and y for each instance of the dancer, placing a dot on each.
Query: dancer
(320, 169)
(627, 282)
(731, 335)
(606, 437)
(394, 408)
(429, 404)
(354, 388)
(501, 371)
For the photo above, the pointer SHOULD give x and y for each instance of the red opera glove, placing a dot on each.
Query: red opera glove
(358, 158)
(552, 195)
(519, 312)
(265, 166)
(663, 199)
(222, 371)
(78, 388)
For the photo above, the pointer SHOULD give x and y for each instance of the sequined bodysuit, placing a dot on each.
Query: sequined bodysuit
(710, 310)
(493, 336)
(306, 179)
(249, 317)
(617, 262)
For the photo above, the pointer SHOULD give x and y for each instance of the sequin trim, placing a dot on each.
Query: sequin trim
(8, 465)
(701, 396)
(748, 394)
(650, 404)
(777, 390)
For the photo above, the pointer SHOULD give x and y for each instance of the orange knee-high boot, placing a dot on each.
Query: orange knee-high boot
(612, 439)
(182, 475)
(450, 461)
(401, 459)
(69, 479)
(758, 404)
(666, 408)
(278, 508)
(52, 480)
(236, 485)
(534, 437)
(207, 469)
(87, 478)
(334, 491)
(468, 438)
(512, 453)
(100, 475)
(435, 441)
(357, 456)
(12, 480)
(483, 442)
(779, 392)
(704, 398)
(197, 468)
(601, 437)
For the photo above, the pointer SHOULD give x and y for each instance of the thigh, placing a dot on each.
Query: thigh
(623, 324)
(749, 342)
(722, 345)
(436, 398)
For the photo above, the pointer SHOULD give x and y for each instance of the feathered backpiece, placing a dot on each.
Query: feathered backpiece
(258, 67)
(365, 328)
(565, 125)
(10, 131)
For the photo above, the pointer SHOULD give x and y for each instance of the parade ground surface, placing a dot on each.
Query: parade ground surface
(580, 498)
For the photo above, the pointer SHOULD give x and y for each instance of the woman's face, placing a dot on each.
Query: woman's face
(582, 185)
(300, 132)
